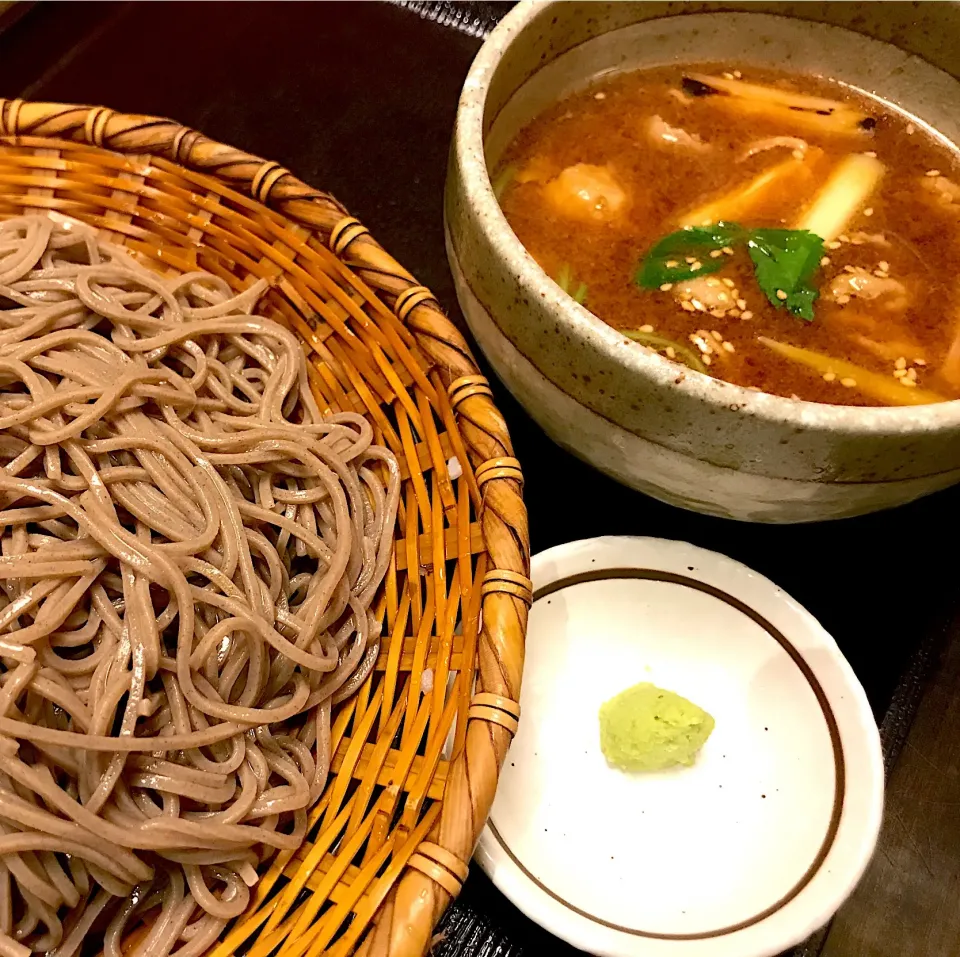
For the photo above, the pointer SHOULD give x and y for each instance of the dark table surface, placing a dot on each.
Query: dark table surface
(359, 99)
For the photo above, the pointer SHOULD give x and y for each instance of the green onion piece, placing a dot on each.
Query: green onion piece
(878, 386)
(565, 281)
(502, 180)
(651, 340)
(844, 193)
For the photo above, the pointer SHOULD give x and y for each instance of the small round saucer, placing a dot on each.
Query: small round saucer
(742, 855)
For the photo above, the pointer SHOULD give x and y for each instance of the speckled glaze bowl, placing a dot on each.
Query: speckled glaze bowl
(675, 434)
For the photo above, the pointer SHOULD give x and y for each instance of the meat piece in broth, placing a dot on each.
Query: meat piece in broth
(706, 293)
(945, 190)
(585, 191)
(859, 283)
(663, 134)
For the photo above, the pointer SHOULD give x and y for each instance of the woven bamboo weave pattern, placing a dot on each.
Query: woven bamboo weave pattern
(418, 750)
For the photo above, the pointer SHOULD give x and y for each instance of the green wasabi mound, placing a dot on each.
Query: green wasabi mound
(647, 728)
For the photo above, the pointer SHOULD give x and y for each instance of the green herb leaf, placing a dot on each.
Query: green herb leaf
(785, 261)
(666, 261)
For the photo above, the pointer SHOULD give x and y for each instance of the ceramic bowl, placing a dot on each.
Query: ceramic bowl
(675, 434)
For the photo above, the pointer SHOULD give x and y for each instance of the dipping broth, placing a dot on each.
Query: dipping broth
(782, 233)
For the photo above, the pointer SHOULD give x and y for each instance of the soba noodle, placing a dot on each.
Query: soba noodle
(189, 552)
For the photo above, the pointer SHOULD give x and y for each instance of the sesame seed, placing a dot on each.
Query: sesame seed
(735, 313)
(899, 373)
(842, 300)
(829, 376)
(646, 327)
(695, 266)
(671, 352)
(738, 74)
(747, 314)
(671, 264)
(727, 251)
(687, 306)
(729, 283)
(909, 383)
(666, 287)
(884, 265)
(728, 76)
(713, 283)
(690, 259)
(781, 295)
(599, 96)
(715, 254)
(919, 362)
(849, 268)
(722, 297)
(868, 211)
(911, 129)
(901, 363)
(706, 360)
(825, 261)
(880, 273)
(797, 154)
(833, 244)
(843, 238)
(699, 306)
(742, 303)
(912, 375)
(848, 382)
(717, 313)
(932, 172)
(871, 153)
(728, 347)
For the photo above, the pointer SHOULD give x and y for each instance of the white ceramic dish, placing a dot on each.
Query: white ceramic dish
(742, 855)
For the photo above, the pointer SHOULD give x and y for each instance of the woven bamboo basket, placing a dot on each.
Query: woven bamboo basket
(415, 770)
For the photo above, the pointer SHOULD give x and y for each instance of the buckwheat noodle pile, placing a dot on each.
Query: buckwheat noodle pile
(189, 551)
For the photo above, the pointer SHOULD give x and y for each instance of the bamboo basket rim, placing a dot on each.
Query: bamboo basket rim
(166, 190)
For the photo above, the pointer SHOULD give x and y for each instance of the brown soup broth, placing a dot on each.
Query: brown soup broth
(664, 152)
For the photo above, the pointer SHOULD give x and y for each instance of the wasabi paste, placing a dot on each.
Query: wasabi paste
(647, 728)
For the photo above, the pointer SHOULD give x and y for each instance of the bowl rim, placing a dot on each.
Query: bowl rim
(469, 154)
